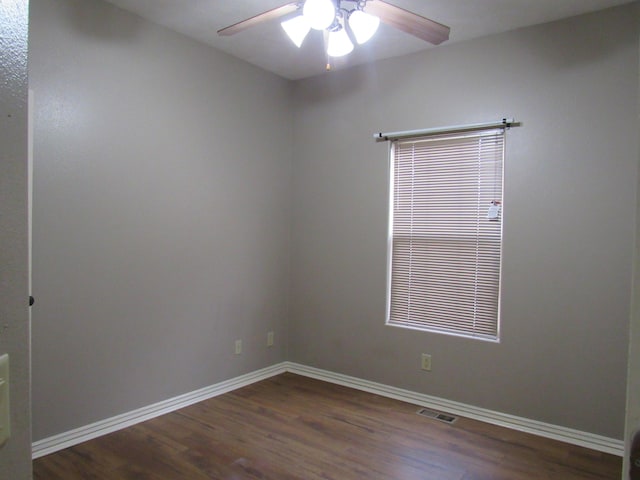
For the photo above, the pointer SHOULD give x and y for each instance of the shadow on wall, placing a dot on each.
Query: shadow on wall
(589, 42)
(110, 24)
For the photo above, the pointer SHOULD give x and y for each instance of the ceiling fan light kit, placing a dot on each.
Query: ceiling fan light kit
(341, 24)
(363, 25)
(319, 13)
(339, 44)
(297, 29)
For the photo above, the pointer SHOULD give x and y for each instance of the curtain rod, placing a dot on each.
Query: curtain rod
(504, 123)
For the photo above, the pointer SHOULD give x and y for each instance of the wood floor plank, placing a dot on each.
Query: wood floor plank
(295, 428)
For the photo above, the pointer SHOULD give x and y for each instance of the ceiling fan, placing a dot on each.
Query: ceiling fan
(342, 22)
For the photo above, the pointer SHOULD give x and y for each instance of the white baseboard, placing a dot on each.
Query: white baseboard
(97, 429)
(102, 427)
(563, 434)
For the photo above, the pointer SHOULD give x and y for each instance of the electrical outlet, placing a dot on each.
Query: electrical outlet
(238, 347)
(425, 363)
(270, 339)
(4, 400)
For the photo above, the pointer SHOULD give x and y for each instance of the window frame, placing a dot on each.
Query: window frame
(392, 239)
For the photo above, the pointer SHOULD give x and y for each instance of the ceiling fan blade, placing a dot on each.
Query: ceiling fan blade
(409, 22)
(261, 17)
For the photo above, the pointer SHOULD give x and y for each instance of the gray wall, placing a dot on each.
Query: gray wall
(633, 374)
(165, 198)
(570, 186)
(15, 457)
(632, 425)
(161, 214)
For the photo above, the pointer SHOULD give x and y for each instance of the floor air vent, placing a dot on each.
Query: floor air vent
(443, 417)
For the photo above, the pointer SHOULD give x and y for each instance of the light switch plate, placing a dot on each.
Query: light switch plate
(5, 423)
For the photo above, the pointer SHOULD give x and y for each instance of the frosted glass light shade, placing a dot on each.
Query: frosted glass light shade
(339, 44)
(319, 13)
(297, 29)
(363, 25)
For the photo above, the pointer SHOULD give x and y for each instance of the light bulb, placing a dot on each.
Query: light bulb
(319, 13)
(297, 29)
(363, 25)
(339, 44)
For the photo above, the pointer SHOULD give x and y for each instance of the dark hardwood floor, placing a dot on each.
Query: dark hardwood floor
(291, 427)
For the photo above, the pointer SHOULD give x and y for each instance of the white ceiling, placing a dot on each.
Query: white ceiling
(268, 47)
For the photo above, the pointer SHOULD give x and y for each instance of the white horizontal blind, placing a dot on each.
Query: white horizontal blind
(444, 250)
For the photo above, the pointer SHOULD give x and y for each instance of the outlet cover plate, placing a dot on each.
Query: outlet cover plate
(425, 362)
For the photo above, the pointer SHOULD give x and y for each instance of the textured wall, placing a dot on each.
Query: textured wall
(161, 214)
(632, 426)
(15, 457)
(633, 379)
(163, 206)
(570, 186)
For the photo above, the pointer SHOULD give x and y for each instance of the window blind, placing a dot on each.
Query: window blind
(444, 250)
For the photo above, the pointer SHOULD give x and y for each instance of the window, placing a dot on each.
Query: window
(445, 235)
